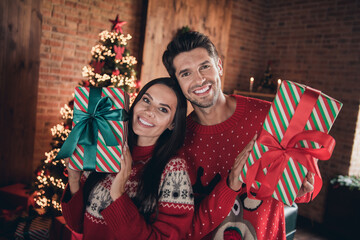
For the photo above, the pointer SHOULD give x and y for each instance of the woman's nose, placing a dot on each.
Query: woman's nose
(149, 111)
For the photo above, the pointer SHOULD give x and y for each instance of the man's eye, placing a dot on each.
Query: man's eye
(185, 74)
(204, 67)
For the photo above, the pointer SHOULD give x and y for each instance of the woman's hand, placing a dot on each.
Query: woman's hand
(73, 178)
(118, 185)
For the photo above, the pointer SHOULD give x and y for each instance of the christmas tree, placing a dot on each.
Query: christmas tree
(111, 66)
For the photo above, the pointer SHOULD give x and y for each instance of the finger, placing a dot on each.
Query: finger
(250, 145)
(240, 164)
(311, 178)
(308, 187)
(122, 163)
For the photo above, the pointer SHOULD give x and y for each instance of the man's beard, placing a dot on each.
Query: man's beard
(208, 103)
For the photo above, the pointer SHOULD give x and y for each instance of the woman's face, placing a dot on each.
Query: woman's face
(154, 113)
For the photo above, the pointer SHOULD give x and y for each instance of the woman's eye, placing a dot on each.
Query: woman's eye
(145, 99)
(164, 110)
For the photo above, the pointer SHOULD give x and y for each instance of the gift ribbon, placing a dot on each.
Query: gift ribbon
(85, 131)
(278, 154)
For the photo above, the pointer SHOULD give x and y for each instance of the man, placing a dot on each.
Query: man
(220, 134)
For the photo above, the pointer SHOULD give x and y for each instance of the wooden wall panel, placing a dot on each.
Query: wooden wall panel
(165, 18)
(19, 73)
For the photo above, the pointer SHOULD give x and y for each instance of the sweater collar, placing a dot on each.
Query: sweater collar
(140, 153)
(221, 127)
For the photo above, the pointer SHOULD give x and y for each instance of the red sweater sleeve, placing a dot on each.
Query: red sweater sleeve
(212, 210)
(175, 207)
(73, 209)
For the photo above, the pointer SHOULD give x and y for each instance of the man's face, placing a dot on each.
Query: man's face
(199, 77)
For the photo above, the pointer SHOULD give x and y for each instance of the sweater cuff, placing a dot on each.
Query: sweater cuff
(67, 198)
(121, 211)
(227, 194)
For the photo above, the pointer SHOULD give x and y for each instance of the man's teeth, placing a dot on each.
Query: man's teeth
(202, 90)
(145, 123)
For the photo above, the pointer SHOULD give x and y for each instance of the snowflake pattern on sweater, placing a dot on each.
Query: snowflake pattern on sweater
(175, 188)
(120, 219)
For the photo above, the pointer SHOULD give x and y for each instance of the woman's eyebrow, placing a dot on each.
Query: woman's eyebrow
(162, 104)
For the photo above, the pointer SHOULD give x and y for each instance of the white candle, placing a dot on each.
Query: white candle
(251, 83)
(279, 83)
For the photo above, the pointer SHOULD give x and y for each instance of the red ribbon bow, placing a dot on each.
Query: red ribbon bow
(278, 154)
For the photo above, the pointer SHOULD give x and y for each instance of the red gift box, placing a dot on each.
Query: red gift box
(293, 138)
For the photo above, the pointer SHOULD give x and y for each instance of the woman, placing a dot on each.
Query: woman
(151, 197)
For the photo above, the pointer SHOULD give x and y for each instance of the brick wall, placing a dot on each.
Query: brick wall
(70, 29)
(312, 42)
(246, 44)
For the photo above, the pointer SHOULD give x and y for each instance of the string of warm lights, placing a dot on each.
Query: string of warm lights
(66, 112)
(111, 66)
(129, 60)
(60, 131)
(113, 37)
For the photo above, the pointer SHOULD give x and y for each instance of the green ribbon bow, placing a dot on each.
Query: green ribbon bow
(85, 131)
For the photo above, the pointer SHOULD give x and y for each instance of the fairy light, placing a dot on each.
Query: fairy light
(129, 60)
(66, 112)
(50, 156)
(88, 71)
(102, 78)
(60, 131)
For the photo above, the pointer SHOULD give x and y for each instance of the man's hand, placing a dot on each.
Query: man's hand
(233, 181)
(307, 185)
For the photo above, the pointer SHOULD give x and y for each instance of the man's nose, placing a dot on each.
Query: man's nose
(200, 78)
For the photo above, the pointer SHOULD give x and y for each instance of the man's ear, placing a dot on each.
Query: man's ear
(220, 68)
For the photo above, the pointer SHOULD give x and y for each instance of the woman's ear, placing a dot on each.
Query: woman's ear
(171, 127)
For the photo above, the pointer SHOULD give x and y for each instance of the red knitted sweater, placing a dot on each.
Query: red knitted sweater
(210, 152)
(101, 218)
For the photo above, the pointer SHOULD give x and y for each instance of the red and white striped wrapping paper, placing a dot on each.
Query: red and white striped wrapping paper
(107, 157)
(276, 122)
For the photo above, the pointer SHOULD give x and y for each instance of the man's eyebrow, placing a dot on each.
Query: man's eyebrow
(186, 69)
(182, 71)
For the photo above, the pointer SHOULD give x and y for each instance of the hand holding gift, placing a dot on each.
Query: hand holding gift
(294, 136)
(74, 178)
(307, 185)
(99, 130)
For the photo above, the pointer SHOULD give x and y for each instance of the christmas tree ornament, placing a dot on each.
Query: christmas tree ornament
(117, 25)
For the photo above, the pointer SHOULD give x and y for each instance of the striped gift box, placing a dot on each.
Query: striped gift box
(107, 157)
(37, 229)
(276, 122)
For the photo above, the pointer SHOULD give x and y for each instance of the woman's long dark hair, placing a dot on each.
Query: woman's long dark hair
(166, 147)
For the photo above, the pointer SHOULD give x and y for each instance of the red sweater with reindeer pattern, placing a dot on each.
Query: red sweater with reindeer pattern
(102, 218)
(210, 151)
